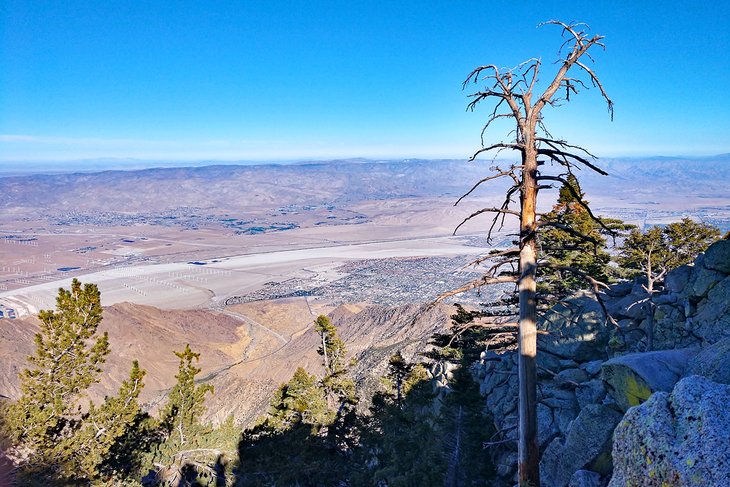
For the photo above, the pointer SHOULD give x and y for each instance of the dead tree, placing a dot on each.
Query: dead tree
(515, 97)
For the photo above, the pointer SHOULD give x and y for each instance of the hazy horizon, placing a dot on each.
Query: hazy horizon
(18, 168)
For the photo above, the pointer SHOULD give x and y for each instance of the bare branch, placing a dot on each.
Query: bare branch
(536, 69)
(532, 61)
(555, 142)
(503, 81)
(542, 126)
(572, 82)
(580, 47)
(489, 444)
(474, 75)
(502, 145)
(566, 28)
(552, 153)
(571, 383)
(505, 205)
(486, 210)
(496, 328)
(483, 281)
(494, 116)
(597, 82)
(500, 174)
(510, 252)
(492, 271)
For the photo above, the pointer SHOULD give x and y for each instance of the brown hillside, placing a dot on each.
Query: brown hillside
(246, 350)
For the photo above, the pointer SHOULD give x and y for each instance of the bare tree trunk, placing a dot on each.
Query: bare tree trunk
(511, 90)
(528, 452)
(649, 308)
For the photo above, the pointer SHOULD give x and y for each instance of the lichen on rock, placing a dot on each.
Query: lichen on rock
(677, 439)
(632, 378)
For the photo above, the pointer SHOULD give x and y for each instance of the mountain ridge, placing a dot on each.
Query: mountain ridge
(315, 182)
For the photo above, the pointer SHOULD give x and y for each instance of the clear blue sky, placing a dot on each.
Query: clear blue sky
(323, 79)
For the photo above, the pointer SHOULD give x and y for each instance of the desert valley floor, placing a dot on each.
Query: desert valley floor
(239, 261)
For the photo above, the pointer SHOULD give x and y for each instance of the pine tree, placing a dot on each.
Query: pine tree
(67, 360)
(398, 372)
(332, 348)
(653, 253)
(338, 386)
(67, 443)
(656, 251)
(310, 426)
(289, 446)
(102, 428)
(572, 238)
(299, 401)
(189, 452)
(185, 404)
(464, 428)
(305, 399)
(401, 444)
(687, 239)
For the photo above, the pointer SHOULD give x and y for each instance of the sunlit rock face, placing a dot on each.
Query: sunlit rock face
(676, 439)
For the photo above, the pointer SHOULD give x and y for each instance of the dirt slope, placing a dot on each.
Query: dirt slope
(246, 350)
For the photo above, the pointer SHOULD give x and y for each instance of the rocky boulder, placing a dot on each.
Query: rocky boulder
(630, 379)
(570, 378)
(587, 446)
(585, 478)
(676, 280)
(632, 306)
(671, 329)
(717, 256)
(713, 362)
(577, 329)
(620, 289)
(702, 282)
(678, 439)
(591, 392)
(712, 320)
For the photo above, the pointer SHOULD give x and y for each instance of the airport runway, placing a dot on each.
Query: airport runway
(186, 285)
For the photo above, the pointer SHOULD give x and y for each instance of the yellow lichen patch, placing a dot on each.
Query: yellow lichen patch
(636, 391)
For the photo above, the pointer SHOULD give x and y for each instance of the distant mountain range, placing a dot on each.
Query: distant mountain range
(234, 186)
(667, 168)
(20, 168)
(351, 180)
